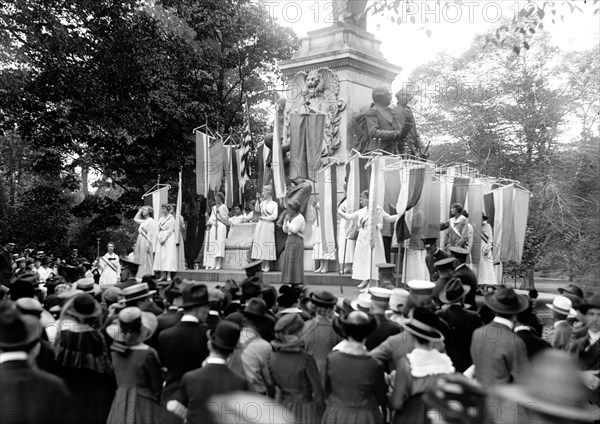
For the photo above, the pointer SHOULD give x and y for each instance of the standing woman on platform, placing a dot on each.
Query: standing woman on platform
(145, 246)
(215, 248)
(109, 266)
(293, 255)
(487, 273)
(165, 260)
(263, 244)
(345, 235)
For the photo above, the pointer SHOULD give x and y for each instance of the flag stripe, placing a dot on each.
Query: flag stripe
(277, 163)
(202, 161)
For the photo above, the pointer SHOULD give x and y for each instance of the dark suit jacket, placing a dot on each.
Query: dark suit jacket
(499, 354)
(533, 343)
(199, 385)
(468, 278)
(589, 359)
(430, 260)
(462, 324)
(382, 124)
(385, 328)
(167, 319)
(32, 396)
(181, 348)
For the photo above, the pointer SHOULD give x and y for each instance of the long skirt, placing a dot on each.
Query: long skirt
(293, 260)
(339, 414)
(263, 244)
(133, 405)
(365, 264)
(321, 251)
(215, 247)
(143, 254)
(166, 256)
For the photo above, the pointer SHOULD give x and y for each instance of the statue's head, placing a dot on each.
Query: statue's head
(382, 96)
(313, 79)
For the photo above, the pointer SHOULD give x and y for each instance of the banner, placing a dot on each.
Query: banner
(155, 199)
(215, 168)
(277, 165)
(232, 186)
(474, 206)
(375, 197)
(307, 132)
(245, 148)
(202, 162)
(520, 216)
(327, 183)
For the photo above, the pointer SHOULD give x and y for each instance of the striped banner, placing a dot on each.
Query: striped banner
(375, 199)
(202, 162)
(277, 163)
(215, 166)
(155, 199)
(474, 205)
(327, 183)
(245, 148)
(232, 187)
(520, 216)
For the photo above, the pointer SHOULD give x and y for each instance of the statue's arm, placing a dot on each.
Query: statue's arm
(376, 133)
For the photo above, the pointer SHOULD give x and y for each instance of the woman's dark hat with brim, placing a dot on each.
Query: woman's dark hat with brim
(18, 331)
(323, 299)
(423, 324)
(359, 321)
(85, 306)
(552, 386)
(571, 289)
(506, 301)
(454, 291)
(144, 323)
(253, 287)
(226, 336)
(592, 302)
(255, 308)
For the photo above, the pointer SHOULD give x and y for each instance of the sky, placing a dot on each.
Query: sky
(453, 24)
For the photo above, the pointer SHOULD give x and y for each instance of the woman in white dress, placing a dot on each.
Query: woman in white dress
(263, 244)
(237, 217)
(218, 221)
(165, 260)
(109, 266)
(487, 273)
(346, 245)
(145, 246)
(323, 254)
(365, 268)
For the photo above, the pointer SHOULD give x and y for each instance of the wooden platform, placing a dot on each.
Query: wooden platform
(274, 277)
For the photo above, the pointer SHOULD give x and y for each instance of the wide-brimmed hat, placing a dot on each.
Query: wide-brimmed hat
(288, 331)
(362, 302)
(136, 292)
(398, 300)
(423, 323)
(88, 285)
(506, 301)
(323, 299)
(255, 308)
(133, 320)
(226, 336)
(453, 291)
(571, 289)
(195, 294)
(421, 287)
(563, 306)
(18, 331)
(30, 306)
(591, 302)
(253, 287)
(85, 306)
(552, 386)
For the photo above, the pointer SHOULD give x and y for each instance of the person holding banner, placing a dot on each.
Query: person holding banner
(109, 266)
(145, 246)
(458, 228)
(165, 260)
(263, 244)
(218, 221)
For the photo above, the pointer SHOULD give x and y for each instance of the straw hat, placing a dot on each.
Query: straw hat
(562, 305)
(133, 327)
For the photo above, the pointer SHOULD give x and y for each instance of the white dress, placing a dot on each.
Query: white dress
(321, 252)
(263, 244)
(166, 246)
(487, 273)
(362, 254)
(145, 246)
(110, 269)
(345, 245)
(215, 248)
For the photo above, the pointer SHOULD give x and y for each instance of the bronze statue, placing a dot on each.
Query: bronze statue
(351, 12)
(410, 142)
(383, 127)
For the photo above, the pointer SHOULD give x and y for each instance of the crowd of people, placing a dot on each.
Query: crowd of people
(146, 350)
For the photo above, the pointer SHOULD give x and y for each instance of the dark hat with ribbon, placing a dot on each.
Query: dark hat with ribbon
(129, 263)
(453, 291)
(88, 285)
(445, 263)
(136, 292)
(459, 253)
(18, 331)
(134, 326)
(506, 301)
(423, 323)
(255, 308)
(323, 299)
(571, 289)
(85, 306)
(253, 268)
(24, 285)
(253, 287)
(226, 336)
(195, 295)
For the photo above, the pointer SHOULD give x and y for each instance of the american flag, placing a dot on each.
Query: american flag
(245, 148)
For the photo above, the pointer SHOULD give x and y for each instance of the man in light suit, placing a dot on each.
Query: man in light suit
(27, 394)
(499, 355)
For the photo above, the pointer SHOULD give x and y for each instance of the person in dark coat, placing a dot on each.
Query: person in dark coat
(382, 124)
(434, 254)
(462, 323)
(533, 343)
(445, 268)
(183, 348)
(129, 270)
(498, 355)
(27, 394)
(214, 378)
(462, 271)
(6, 262)
(380, 298)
